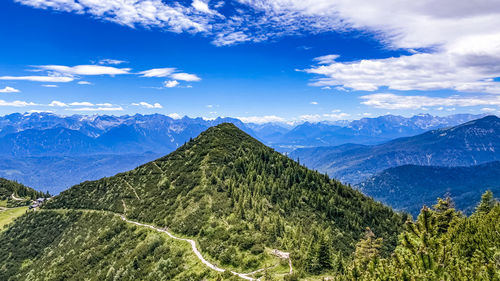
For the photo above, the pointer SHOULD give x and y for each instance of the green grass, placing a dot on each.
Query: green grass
(9, 215)
(3, 203)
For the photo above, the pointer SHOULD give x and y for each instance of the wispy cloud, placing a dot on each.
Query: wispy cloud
(84, 83)
(50, 79)
(403, 24)
(324, 117)
(262, 119)
(50, 86)
(9, 90)
(172, 74)
(81, 103)
(158, 72)
(489, 109)
(92, 109)
(58, 104)
(85, 69)
(111, 61)
(147, 105)
(16, 103)
(185, 77)
(392, 101)
(453, 70)
(171, 84)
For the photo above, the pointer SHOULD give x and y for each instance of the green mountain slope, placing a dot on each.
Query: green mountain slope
(238, 199)
(83, 245)
(15, 194)
(409, 187)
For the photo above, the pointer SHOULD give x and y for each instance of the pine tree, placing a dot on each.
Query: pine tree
(367, 249)
(325, 254)
(445, 214)
(487, 203)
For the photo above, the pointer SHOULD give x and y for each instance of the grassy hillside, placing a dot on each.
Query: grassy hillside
(83, 245)
(8, 215)
(237, 198)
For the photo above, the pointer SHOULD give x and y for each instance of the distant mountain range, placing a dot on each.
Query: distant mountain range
(366, 130)
(56, 173)
(52, 152)
(46, 134)
(409, 187)
(472, 143)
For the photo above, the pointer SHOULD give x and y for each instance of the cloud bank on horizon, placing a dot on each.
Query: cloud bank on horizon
(452, 45)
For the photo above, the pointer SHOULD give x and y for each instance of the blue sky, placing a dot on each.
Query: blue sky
(275, 60)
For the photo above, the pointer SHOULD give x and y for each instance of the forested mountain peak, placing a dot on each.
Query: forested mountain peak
(237, 197)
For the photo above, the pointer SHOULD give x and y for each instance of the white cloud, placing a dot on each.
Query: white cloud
(84, 83)
(326, 59)
(105, 104)
(185, 77)
(225, 39)
(40, 111)
(420, 71)
(85, 69)
(392, 101)
(323, 117)
(82, 103)
(261, 119)
(111, 61)
(50, 86)
(171, 84)
(488, 109)
(173, 16)
(117, 108)
(158, 72)
(9, 90)
(202, 7)
(58, 104)
(16, 103)
(314, 102)
(174, 115)
(51, 79)
(399, 24)
(148, 105)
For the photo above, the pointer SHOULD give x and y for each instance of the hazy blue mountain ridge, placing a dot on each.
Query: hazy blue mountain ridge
(472, 143)
(410, 187)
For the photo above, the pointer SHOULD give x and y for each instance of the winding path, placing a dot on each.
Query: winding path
(16, 198)
(197, 252)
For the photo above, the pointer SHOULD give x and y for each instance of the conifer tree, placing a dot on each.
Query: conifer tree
(486, 204)
(367, 249)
